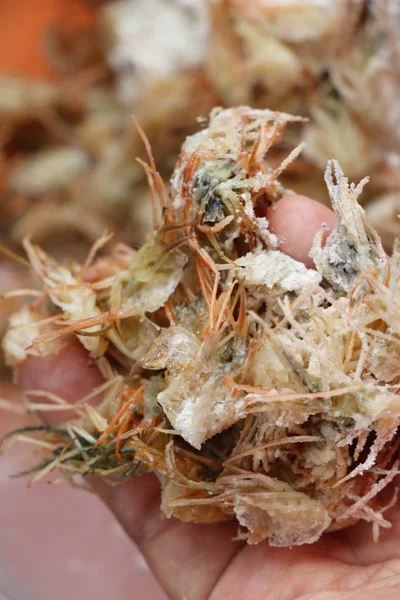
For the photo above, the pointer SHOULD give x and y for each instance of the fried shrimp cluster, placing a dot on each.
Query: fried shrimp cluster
(255, 388)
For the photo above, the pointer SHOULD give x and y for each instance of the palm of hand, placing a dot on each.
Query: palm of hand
(202, 562)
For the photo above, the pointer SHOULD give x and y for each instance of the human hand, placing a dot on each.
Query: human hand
(199, 562)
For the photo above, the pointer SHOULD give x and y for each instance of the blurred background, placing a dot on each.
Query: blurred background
(72, 72)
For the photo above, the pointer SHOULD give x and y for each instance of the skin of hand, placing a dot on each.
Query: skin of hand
(205, 562)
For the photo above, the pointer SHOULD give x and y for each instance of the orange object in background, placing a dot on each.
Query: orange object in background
(22, 26)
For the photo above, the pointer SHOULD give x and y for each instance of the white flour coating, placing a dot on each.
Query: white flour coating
(298, 20)
(272, 268)
(154, 38)
(184, 419)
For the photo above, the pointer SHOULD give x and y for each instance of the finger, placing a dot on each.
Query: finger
(69, 373)
(295, 220)
(188, 559)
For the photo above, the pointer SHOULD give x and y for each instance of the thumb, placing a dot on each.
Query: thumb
(70, 373)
